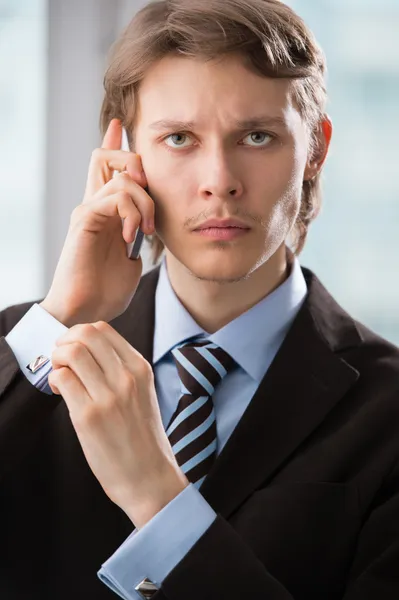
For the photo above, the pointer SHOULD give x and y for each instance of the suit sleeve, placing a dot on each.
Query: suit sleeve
(24, 409)
(222, 565)
(160, 545)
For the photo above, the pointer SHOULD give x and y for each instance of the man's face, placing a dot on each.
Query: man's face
(216, 170)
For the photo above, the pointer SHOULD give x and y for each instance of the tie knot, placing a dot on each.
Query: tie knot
(201, 365)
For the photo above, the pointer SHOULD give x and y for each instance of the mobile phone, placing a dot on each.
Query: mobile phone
(133, 249)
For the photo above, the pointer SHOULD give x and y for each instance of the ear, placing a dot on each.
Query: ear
(323, 138)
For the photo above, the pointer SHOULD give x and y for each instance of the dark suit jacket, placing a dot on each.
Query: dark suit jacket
(306, 489)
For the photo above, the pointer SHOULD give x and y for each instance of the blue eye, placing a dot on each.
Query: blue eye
(252, 134)
(262, 133)
(175, 135)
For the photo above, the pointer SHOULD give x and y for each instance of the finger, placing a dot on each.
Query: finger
(77, 357)
(64, 382)
(113, 141)
(113, 136)
(129, 355)
(50, 381)
(91, 216)
(99, 348)
(100, 171)
(105, 160)
(144, 181)
(102, 165)
(139, 198)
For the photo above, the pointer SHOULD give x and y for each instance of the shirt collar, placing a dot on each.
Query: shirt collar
(258, 329)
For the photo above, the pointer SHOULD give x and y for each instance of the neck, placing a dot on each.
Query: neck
(211, 304)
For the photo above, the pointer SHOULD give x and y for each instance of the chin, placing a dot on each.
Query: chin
(220, 265)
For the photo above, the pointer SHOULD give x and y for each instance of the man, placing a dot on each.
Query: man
(221, 427)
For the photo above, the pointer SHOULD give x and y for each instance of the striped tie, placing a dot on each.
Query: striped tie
(201, 365)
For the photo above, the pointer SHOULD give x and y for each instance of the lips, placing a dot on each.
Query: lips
(222, 224)
(222, 233)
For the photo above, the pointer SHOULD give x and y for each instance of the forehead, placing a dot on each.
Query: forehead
(185, 88)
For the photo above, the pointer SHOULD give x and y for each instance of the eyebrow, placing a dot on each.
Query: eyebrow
(251, 123)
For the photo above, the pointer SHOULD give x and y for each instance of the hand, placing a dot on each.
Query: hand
(109, 389)
(94, 279)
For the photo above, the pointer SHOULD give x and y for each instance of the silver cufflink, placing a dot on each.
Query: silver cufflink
(37, 363)
(146, 588)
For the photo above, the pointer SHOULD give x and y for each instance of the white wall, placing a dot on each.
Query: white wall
(80, 35)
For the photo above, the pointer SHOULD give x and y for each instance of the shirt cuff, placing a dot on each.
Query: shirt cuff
(155, 549)
(35, 335)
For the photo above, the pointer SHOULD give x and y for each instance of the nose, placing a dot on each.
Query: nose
(220, 178)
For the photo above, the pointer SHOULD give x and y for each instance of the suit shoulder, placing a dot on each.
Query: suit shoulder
(377, 361)
(375, 349)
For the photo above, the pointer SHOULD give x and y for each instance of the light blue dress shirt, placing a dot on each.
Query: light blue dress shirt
(252, 339)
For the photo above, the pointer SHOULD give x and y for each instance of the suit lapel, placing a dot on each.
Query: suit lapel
(305, 381)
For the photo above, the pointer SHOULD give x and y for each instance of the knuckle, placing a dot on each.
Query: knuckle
(102, 325)
(144, 370)
(59, 375)
(56, 355)
(80, 216)
(124, 196)
(77, 209)
(88, 414)
(53, 376)
(76, 214)
(76, 350)
(110, 403)
(128, 383)
(97, 153)
(84, 330)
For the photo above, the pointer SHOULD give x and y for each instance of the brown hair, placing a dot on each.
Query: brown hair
(269, 34)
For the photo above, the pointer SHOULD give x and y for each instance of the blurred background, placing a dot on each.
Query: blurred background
(52, 61)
